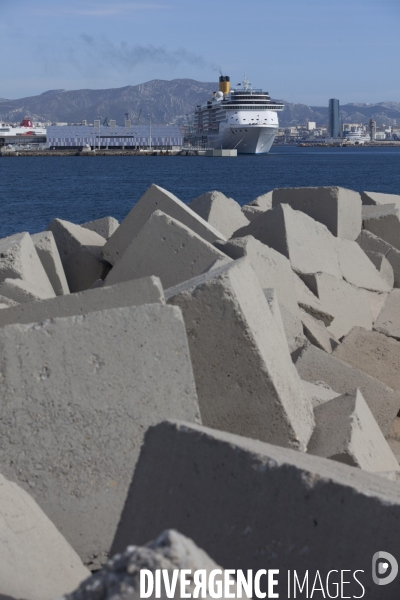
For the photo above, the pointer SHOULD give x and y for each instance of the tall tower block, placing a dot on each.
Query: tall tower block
(334, 125)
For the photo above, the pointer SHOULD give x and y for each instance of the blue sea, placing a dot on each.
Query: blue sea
(35, 190)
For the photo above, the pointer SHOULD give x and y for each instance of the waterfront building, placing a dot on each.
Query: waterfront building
(334, 124)
(165, 137)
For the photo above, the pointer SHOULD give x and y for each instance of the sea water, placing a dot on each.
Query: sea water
(35, 190)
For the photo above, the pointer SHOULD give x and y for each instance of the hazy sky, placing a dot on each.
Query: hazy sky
(299, 50)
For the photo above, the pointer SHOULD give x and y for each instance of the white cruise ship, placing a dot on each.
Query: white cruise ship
(243, 118)
(356, 135)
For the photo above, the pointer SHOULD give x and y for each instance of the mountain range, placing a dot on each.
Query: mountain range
(168, 102)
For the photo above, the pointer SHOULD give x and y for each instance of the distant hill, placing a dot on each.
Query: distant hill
(168, 101)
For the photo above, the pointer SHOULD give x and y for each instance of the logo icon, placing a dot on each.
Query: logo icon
(384, 568)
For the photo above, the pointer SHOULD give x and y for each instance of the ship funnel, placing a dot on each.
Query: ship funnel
(224, 84)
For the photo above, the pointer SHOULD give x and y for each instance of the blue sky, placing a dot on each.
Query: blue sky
(299, 50)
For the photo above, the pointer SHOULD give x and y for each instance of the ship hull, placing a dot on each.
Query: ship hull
(249, 140)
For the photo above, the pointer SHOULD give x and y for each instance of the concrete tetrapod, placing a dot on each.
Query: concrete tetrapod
(221, 212)
(155, 198)
(346, 431)
(168, 249)
(47, 250)
(78, 393)
(308, 244)
(246, 382)
(373, 353)
(170, 551)
(104, 227)
(147, 290)
(79, 250)
(315, 365)
(251, 505)
(19, 260)
(36, 562)
(336, 207)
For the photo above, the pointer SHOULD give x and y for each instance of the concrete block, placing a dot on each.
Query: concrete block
(19, 260)
(104, 227)
(36, 562)
(368, 212)
(373, 353)
(171, 550)
(383, 266)
(21, 291)
(78, 393)
(308, 244)
(395, 447)
(264, 201)
(336, 207)
(377, 198)
(79, 250)
(289, 323)
(251, 212)
(376, 303)
(310, 303)
(370, 242)
(251, 505)
(358, 269)
(315, 365)
(168, 249)
(347, 303)
(319, 392)
(156, 198)
(245, 379)
(386, 227)
(388, 321)
(7, 302)
(346, 431)
(129, 293)
(221, 212)
(272, 268)
(316, 332)
(50, 258)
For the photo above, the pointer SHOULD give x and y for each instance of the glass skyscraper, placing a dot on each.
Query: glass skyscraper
(334, 126)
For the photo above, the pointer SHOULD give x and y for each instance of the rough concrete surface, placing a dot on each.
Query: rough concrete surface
(347, 303)
(310, 303)
(79, 250)
(376, 303)
(272, 268)
(251, 212)
(221, 212)
(318, 392)
(290, 323)
(316, 332)
(19, 260)
(346, 431)
(47, 250)
(166, 248)
(250, 505)
(21, 291)
(373, 353)
(370, 242)
(36, 562)
(373, 211)
(358, 269)
(119, 579)
(388, 321)
(104, 227)
(78, 393)
(264, 201)
(336, 207)
(386, 227)
(245, 379)
(382, 265)
(129, 293)
(308, 244)
(155, 198)
(378, 198)
(315, 365)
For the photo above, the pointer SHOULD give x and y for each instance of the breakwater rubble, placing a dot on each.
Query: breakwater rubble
(200, 383)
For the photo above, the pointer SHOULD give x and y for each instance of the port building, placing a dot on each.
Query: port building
(161, 137)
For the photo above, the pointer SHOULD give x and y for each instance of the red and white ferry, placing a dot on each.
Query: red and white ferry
(24, 129)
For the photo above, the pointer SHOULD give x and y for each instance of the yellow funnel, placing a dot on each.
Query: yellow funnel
(224, 84)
